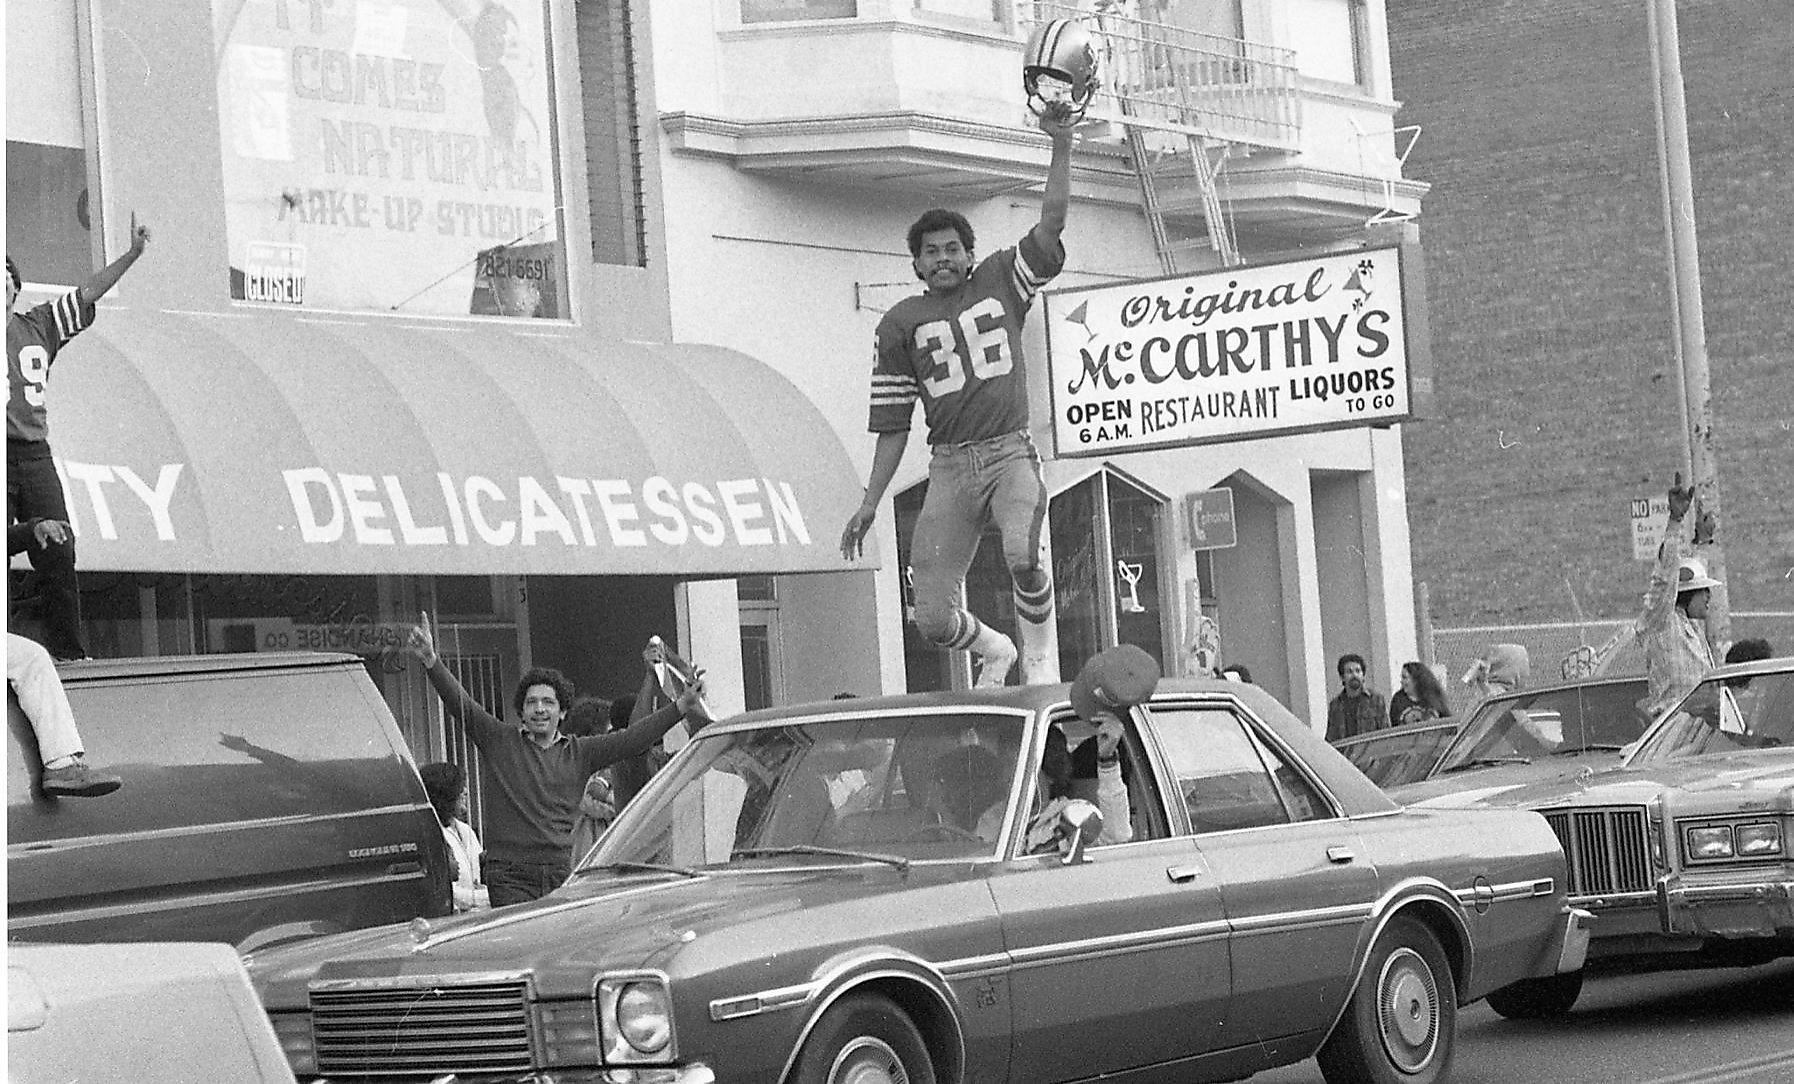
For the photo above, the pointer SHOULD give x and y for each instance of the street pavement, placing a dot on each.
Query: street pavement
(1691, 1027)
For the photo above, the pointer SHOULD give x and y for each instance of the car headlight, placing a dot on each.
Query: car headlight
(1759, 840)
(1709, 842)
(635, 1015)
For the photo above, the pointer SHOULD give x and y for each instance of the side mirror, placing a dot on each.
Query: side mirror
(1080, 823)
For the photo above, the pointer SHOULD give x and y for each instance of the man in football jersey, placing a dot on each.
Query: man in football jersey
(33, 491)
(957, 347)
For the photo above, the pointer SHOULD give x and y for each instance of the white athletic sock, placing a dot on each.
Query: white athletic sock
(996, 654)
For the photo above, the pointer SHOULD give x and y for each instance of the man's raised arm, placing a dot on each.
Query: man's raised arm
(107, 277)
(1056, 123)
(463, 708)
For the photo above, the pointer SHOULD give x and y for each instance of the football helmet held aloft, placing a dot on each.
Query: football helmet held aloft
(1060, 64)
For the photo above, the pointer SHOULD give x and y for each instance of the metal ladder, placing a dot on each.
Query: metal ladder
(1207, 160)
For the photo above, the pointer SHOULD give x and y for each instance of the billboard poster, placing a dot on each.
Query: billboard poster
(1238, 354)
(392, 155)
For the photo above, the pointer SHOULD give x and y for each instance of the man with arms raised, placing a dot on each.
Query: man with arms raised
(532, 775)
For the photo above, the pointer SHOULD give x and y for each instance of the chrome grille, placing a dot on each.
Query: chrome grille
(478, 1027)
(1607, 849)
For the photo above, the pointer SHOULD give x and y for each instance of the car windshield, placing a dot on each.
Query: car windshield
(1398, 755)
(866, 788)
(1562, 722)
(1724, 715)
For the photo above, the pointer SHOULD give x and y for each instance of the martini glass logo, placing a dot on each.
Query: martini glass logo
(1081, 317)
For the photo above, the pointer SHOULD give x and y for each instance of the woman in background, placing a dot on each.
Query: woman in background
(1421, 697)
(446, 784)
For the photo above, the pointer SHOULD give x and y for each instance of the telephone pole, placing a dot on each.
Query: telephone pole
(1685, 270)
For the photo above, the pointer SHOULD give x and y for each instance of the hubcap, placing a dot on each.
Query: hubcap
(1408, 1010)
(867, 1060)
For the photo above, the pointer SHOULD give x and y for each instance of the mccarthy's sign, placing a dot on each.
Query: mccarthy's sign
(1229, 355)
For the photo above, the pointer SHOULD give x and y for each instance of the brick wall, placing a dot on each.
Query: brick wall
(1549, 296)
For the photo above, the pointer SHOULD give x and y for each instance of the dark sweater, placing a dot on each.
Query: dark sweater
(532, 793)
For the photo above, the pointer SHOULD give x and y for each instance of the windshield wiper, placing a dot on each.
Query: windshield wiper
(832, 852)
(640, 867)
(1485, 762)
(1592, 747)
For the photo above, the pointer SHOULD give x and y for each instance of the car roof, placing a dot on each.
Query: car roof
(172, 665)
(1358, 794)
(1751, 669)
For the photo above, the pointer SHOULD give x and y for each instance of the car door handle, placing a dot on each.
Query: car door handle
(1340, 855)
(1181, 875)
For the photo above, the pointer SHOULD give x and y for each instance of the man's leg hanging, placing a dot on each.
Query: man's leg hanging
(945, 540)
(1020, 508)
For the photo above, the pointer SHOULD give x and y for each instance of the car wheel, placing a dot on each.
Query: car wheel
(864, 1039)
(1402, 1021)
(1538, 999)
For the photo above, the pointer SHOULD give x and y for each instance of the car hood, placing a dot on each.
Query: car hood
(1503, 785)
(1753, 777)
(601, 922)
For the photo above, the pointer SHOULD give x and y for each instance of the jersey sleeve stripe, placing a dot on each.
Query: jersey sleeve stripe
(70, 317)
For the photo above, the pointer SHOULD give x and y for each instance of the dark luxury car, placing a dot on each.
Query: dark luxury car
(1682, 849)
(875, 890)
(1535, 736)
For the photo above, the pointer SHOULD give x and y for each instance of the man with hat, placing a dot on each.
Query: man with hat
(1673, 627)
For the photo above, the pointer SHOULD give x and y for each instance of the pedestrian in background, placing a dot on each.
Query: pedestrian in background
(446, 785)
(1358, 709)
(1502, 669)
(1420, 698)
(34, 338)
(1752, 650)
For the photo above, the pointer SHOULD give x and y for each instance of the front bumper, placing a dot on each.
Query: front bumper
(1737, 905)
(696, 1073)
(1572, 950)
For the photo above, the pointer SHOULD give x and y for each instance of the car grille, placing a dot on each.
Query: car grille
(1607, 849)
(426, 1029)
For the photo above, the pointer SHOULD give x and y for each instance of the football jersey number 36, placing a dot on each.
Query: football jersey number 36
(989, 347)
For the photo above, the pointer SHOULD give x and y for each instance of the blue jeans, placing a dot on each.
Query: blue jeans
(970, 486)
(519, 882)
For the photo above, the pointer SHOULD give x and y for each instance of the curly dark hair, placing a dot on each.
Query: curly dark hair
(940, 219)
(443, 782)
(543, 675)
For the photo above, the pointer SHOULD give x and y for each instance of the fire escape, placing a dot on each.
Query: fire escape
(1184, 102)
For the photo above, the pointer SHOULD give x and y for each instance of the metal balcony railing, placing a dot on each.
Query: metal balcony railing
(1184, 81)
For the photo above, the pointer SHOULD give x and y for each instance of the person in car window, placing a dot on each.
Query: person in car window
(1111, 683)
(1057, 788)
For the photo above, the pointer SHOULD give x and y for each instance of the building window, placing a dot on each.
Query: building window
(608, 80)
(1329, 37)
(762, 662)
(784, 11)
(1107, 572)
(392, 155)
(1107, 568)
(981, 11)
(48, 220)
(48, 231)
(1221, 18)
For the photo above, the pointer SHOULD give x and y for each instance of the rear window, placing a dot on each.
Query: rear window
(217, 748)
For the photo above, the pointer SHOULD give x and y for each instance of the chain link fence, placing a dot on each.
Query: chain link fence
(1566, 650)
